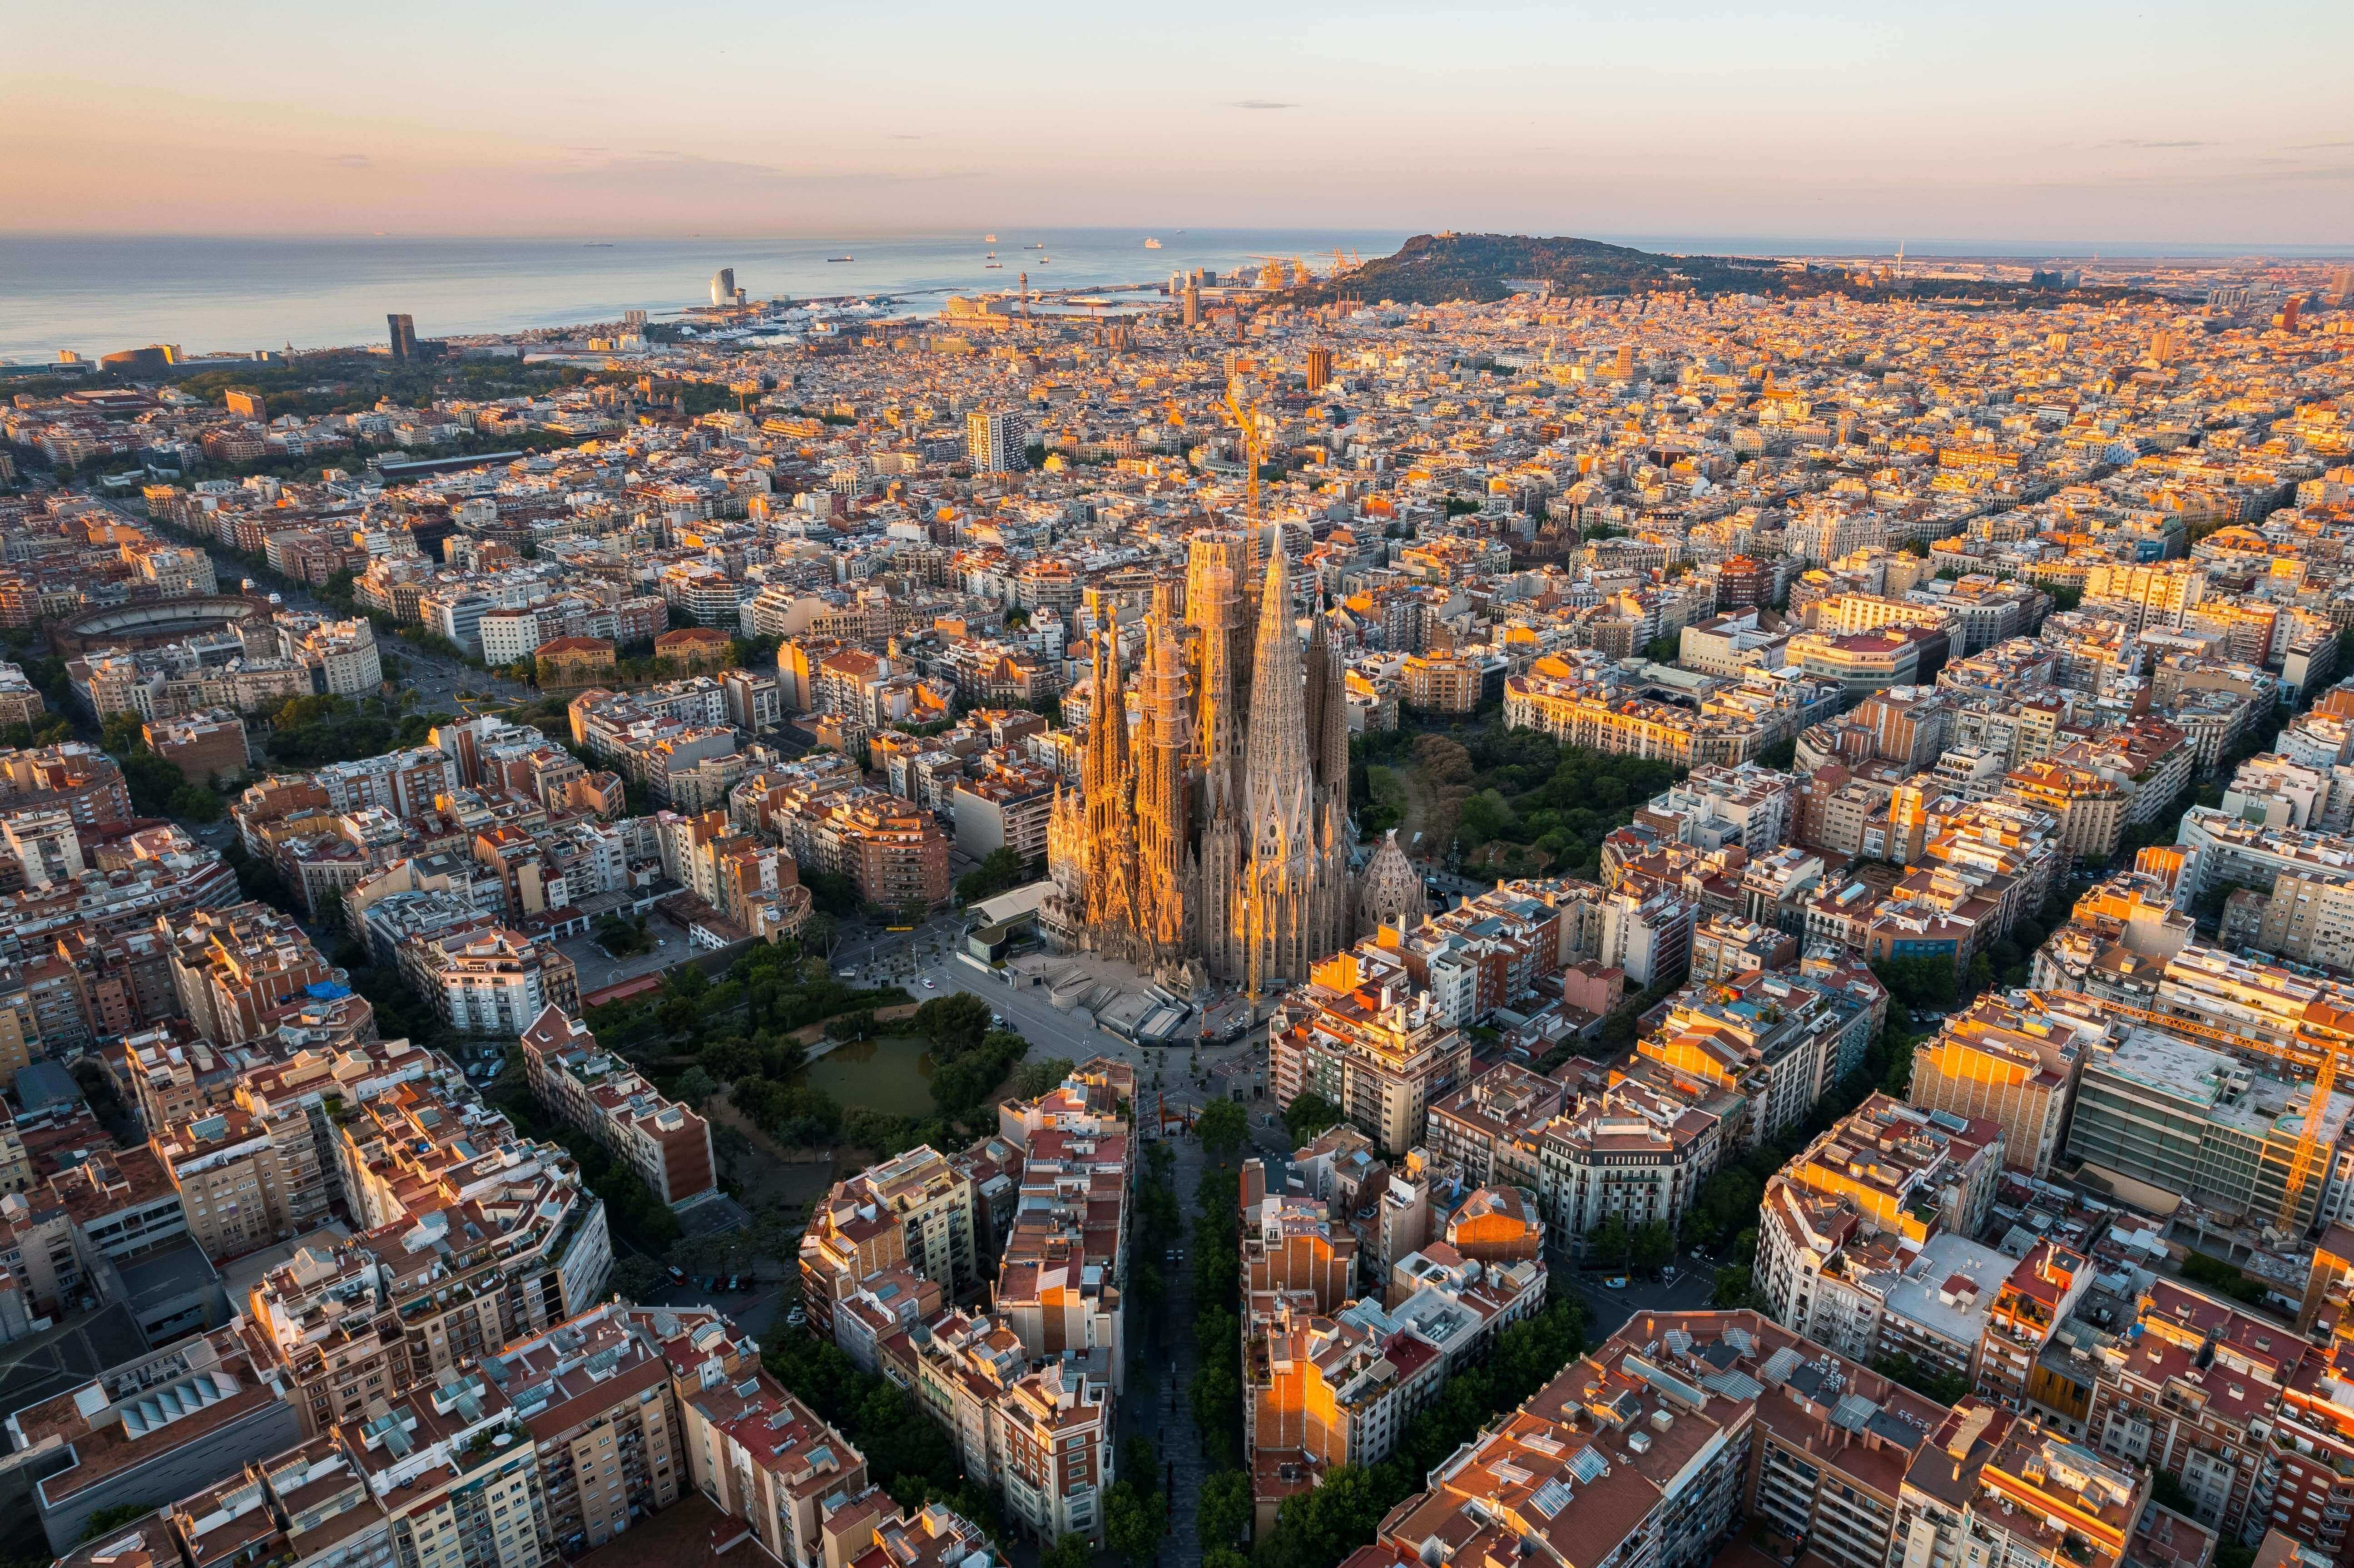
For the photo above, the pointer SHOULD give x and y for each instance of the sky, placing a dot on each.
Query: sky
(2065, 118)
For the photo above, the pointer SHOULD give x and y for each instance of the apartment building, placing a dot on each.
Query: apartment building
(665, 1142)
(233, 968)
(2015, 1067)
(1480, 1126)
(1631, 1152)
(1059, 1458)
(1779, 1037)
(762, 1458)
(913, 1211)
(2000, 1489)
(457, 1474)
(1291, 1246)
(595, 1395)
(1655, 1446)
(491, 982)
(245, 1180)
(1862, 1198)
(1384, 1055)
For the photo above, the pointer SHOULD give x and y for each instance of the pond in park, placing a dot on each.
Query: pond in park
(890, 1075)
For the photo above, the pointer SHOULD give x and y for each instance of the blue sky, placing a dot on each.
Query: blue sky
(2157, 121)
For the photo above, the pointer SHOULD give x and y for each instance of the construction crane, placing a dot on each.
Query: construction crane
(1245, 417)
(2320, 1055)
(1288, 268)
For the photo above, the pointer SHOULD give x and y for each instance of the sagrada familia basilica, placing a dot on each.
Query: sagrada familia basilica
(1213, 842)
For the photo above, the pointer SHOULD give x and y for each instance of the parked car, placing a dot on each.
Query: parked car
(1615, 1282)
(796, 1318)
(677, 1275)
(931, 984)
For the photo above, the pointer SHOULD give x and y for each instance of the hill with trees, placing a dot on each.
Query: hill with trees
(1434, 268)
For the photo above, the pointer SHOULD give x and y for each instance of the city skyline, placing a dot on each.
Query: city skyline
(2006, 124)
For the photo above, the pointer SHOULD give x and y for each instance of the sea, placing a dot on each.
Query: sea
(211, 295)
(98, 295)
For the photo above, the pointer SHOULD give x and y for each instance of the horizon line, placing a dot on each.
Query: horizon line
(1760, 244)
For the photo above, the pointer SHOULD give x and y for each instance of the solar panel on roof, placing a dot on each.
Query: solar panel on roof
(1678, 1341)
(1733, 1384)
(1852, 1411)
(1779, 1365)
(1589, 1465)
(1551, 1498)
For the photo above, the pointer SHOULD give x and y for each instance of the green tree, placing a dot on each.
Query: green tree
(954, 1025)
(1133, 1521)
(1223, 1126)
(1609, 1243)
(1031, 1079)
(1308, 1116)
(1221, 1515)
(636, 1278)
(1139, 1464)
(696, 1087)
(115, 1517)
(998, 871)
(1070, 1552)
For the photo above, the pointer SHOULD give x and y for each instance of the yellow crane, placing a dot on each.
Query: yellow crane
(1287, 270)
(1245, 417)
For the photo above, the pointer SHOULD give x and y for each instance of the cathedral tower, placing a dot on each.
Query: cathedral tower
(1278, 889)
(1161, 796)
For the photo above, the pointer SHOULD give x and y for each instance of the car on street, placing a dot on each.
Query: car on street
(1615, 1282)
(930, 984)
(796, 1318)
(677, 1275)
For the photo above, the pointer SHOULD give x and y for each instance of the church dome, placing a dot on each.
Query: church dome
(1391, 891)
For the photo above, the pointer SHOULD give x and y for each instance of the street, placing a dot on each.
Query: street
(1608, 1311)
(1050, 1031)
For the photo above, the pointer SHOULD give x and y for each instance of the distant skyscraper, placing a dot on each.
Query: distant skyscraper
(1193, 305)
(2341, 285)
(404, 336)
(633, 321)
(723, 286)
(1319, 369)
(992, 442)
